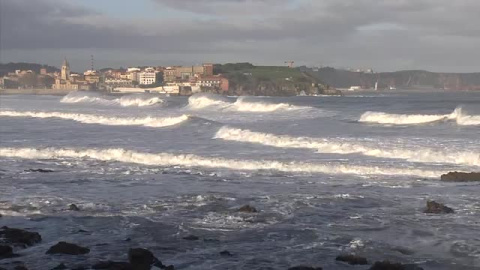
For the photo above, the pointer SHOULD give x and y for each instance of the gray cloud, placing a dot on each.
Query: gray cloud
(439, 35)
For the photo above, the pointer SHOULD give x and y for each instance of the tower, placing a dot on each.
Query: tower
(65, 70)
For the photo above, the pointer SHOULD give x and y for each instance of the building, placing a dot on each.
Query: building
(214, 81)
(66, 82)
(148, 77)
(91, 76)
(186, 73)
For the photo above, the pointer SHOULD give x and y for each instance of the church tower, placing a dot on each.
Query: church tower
(65, 70)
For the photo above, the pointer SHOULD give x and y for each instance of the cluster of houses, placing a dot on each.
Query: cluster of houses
(177, 80)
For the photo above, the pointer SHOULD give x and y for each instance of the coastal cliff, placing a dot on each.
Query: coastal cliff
(408, 79)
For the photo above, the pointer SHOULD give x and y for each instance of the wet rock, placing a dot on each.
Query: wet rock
(68, 248)
(20, 267)
(437, 208)
(110, 265)
(19, 237)
(247, 209)
(302, 267)
(61, 266)
(141, 258)
(386, 265)
(352, 259)
(191, 238)
(6, 252)
(39, 170)
(461, 177)
(226, 253)
(73, 207)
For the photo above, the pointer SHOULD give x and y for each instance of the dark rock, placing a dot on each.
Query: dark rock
(302, 267)
(226, 253)
(170, 267)
(141, 258)
(113, 265)
(437, 208)
(461, 177)
(247, 209)
(386, 265)
(19, 237)
(61, 266)
(6, 252)
(39, 170)
(352, 259)
(68, 248)
(73, 207)
(191, 238)
(20, 267)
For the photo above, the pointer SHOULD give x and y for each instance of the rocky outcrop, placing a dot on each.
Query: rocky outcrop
(19, 237)
(110, 265)
(68, 249)
(73, 207)
(386, 265)
(6, 252)
(302, 267)
(61, 266)
(352, 259)
(191, 238)
(247, 209)
(226, 253)
(461, 177)
(39, 170)
(437, 208)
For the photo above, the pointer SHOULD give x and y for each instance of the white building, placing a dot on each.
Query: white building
(149, 76)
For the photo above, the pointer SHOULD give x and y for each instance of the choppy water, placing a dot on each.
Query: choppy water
(328, 175)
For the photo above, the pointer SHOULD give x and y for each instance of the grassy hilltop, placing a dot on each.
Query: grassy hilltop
(247, 79)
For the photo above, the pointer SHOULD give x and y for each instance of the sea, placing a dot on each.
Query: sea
(328, 175)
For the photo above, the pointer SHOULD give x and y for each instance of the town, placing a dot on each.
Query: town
(175, 80)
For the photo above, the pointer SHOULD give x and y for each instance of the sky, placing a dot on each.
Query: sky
(385, 35)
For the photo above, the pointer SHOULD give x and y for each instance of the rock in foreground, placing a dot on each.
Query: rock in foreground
(302, 267)
(352, 259)
(386, 265)
(247, 209)
(68, 248)
(437, 208)
(19, 237)
(461, 177)
(6, 252)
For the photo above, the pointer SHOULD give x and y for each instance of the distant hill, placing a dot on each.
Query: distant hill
(11, 67)
(408, 79)
(247, 79)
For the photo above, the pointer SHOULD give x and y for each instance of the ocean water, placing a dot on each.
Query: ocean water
(328, 175)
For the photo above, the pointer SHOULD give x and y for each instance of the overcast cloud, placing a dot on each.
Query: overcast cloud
(438, 35)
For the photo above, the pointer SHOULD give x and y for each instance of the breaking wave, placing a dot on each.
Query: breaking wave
(134, 100)
(148, 121)
(415, 119)
(330, 146)
(190, 160)
(242, 104)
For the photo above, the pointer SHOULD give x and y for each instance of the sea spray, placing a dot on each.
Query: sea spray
(148, 121)
(190, 160)
(416, 119)
(134, 100)
(425, 155)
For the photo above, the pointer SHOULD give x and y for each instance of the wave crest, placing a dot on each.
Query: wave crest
(134, 100)
(190, 160)
(425, 155)
(242, 104)
(148, 121)
(414, 119)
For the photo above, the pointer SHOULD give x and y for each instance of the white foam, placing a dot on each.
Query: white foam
(242, 104)
(334, 146)
(190, 160)
(135, 100)
(415, 119)
(148, 121)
